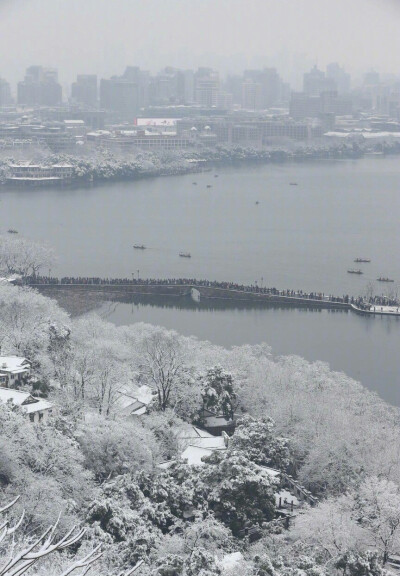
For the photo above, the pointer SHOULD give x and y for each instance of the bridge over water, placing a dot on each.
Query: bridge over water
(109, 289)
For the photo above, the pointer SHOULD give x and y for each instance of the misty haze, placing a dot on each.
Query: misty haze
(199, 287)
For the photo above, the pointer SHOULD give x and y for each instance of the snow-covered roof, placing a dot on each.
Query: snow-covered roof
(190, 432)
(194, 455)
(14, 364)
(199, 446)
(28, 403)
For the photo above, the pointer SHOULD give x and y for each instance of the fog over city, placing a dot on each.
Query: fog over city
(103, 36)
(199, 287)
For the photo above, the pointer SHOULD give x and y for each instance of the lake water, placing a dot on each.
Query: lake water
(297, 237)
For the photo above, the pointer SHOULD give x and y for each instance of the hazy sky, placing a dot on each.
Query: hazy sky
(103, 36)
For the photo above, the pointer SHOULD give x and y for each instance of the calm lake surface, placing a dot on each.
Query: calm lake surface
(297, 237)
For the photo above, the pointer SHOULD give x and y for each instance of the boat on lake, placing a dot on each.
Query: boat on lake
(382, 279)
(362, 260)
(355, 272)
(209, 186)
(139, 247)
(194, 183)
(293, 183)
(257, 202)
(185, 254)
(12, 231)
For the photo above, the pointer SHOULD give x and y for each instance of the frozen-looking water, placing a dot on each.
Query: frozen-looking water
(297, 237)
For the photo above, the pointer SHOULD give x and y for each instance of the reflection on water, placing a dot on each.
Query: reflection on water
(365, 348)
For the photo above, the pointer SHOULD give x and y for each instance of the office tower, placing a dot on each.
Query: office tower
(84, 90)
(315, 82)
(5, 94)
(207, 86)
(40, 87)
(339, 76)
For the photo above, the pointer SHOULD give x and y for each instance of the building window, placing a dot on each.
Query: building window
(32, 417)
(40, 416)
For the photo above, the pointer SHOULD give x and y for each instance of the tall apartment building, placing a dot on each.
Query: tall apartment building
(84, 90)
(315, 82)
(339, 76)
(206, 87)
(40, 87)
(142, 80)
(270, 87)
(120, 96)
(252, 97)
(5, 94)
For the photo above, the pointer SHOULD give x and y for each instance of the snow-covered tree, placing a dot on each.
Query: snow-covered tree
(259, 441)
(218, 392)
(24, 257)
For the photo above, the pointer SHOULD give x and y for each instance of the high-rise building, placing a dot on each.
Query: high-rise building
(252, 96)
(142, 80)
(315, 82)
(40, 87)
(84, 90)
(371, 78)
(5, 94)
(233, 85)
(339, 76)
(207, 86)
(120, 96)
(304, 106)
(270, 86)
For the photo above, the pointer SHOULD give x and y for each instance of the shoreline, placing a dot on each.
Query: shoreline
(204, 161)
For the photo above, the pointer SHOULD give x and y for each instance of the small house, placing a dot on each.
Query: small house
(37, 409)
(13, 371)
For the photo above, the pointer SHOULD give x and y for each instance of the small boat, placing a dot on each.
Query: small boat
(139, 247)
(257, 202)
(355, 272)
(216, 175)
(12, 231)
(381, 279)
(293, 184)
(194, 183)
(209, 186)
(185, 254)
(362, 260)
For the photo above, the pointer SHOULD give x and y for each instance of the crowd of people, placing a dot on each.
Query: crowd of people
(253, 288)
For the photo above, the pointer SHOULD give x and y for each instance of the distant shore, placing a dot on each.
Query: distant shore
(110, 168)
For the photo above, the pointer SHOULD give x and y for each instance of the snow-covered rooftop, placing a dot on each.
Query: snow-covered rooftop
(28, 403)
(14, 364)
(194, 455)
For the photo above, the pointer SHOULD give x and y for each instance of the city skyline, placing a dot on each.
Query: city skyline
(97, 38)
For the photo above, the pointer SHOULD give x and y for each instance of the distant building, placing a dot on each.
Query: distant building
(120, 96)
(270, 87)
(31, 174)
(252, 95)
(37, 409)
(302, 105)
(84, 90)
(224, 101)
(40, 87)
(315, 82)
(339, 76)
(371, 78)
(5, 94)
(207, 87)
